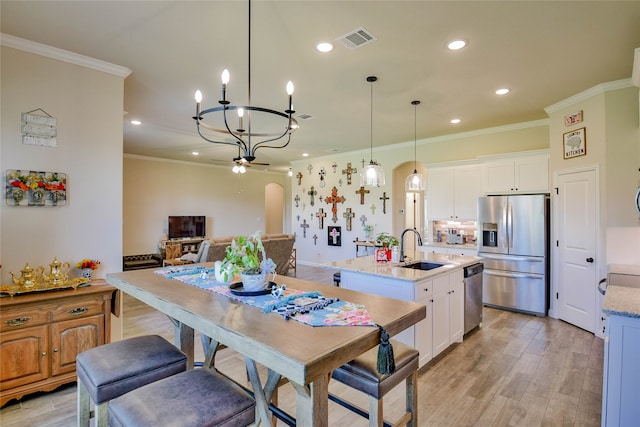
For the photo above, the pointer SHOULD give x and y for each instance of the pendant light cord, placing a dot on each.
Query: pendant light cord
(249, 78)
(371, 125)
(415, 137)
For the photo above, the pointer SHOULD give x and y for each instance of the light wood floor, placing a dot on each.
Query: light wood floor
(516, 370)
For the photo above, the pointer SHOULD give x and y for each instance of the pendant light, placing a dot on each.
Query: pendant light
(414, 183)
(372, 175)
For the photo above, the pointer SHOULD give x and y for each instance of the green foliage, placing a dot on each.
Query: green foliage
(387, 240)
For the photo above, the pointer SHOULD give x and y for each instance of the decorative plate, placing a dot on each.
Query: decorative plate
(238, 289)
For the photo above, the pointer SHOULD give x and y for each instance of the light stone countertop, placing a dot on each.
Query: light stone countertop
(368, 265)
(622, 301)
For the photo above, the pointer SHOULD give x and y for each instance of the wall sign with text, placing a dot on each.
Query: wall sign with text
(574, 143)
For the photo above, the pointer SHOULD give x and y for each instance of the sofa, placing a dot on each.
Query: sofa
(278, 247)
(137, 262)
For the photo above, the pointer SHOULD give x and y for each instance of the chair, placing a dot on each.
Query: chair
(195, 398)
(361, 374)
(336, 279)
(111, 370)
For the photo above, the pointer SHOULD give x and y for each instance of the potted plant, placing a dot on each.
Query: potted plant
(387, 241)
(246, 257)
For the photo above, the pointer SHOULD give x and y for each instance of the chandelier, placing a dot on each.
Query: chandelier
(219, 128)
(414, 183)
(372, 175)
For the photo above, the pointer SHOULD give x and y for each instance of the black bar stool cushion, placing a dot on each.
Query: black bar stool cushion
(362, 374)
(196, 398)
(111, 370)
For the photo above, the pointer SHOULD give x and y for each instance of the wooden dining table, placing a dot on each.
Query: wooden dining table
(303, 354)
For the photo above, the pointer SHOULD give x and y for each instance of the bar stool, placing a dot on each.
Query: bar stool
(336, 279)
(111, 370)
(361, 374)
(196, 398)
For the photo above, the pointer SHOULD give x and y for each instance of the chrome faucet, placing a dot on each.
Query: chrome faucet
(402, 241)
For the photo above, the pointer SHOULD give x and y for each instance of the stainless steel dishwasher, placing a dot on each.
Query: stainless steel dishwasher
(472, 296)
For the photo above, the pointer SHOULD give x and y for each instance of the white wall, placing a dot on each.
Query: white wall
(88, 107)
(155, 189)
(462, 146)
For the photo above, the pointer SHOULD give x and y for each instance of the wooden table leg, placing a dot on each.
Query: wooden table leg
(263, 414)
(313, 403)
(183, 339)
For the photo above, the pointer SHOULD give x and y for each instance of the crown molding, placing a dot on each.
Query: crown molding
(589, 93)
(63, 55)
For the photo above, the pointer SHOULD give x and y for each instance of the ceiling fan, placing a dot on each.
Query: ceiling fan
(240, 163)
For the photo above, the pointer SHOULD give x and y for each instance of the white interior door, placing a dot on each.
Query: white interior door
(577, 225)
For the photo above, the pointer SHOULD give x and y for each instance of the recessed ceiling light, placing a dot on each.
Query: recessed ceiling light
(324, 47)
(136, 122)
(456, 44)
(455, 121)
(305, 154)
(503, 91)
(195, 153)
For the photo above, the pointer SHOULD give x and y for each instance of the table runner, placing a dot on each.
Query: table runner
(322, 312)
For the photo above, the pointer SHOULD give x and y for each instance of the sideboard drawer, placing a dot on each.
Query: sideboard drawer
(75, 309)
(11, 320)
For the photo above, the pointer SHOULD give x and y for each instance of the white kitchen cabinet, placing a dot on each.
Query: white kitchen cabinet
(448, 311)
(453, 191)
(527, 174)
(423, 330)
(443, 297)
(621, 373)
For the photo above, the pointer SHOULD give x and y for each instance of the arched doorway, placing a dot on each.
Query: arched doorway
(409, 208)
(273, 208)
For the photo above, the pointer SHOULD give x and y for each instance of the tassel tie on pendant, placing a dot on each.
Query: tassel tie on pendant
(386, 363)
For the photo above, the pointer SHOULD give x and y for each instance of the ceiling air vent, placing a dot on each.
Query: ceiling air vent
(357, 38)
(304, 116)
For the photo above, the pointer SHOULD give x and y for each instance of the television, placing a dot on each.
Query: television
(181, 227)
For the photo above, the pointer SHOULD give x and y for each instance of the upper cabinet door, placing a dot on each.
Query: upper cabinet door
(468, 187)
(453, 191)
(526, 174)
(440, 193)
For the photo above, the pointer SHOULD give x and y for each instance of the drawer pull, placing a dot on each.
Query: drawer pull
(44, 353)
(77, 311)
(18, 321)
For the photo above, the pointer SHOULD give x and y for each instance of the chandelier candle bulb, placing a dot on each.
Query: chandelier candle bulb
(225, 80)
(198, 101)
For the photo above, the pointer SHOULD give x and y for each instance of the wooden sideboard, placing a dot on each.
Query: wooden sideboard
(42, 333)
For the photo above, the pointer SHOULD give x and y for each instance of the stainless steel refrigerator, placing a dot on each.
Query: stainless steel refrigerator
(514, 244)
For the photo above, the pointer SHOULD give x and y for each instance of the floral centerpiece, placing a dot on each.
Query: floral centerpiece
(87, 266)
(246, 257)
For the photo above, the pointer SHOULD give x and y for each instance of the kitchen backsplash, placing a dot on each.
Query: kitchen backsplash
(458, 232)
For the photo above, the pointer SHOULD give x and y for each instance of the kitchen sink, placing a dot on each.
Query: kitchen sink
(424, 265)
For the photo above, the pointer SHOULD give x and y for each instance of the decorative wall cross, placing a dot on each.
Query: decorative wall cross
(297, 200)
(363, 219)
(321, 216)
(298, 217)
(334, 235)
(312, 193)
(334, 166)
(322, 173)
(362, 192)
(363, 161)
(299, 176)
(304, 226)
(333, 200)
(310, 168)
(384, 199)
(349, 216)
(373, 209)
(348, 171)
(315, 238)
(340, 182)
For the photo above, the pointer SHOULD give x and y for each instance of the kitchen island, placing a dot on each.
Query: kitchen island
(440, 290)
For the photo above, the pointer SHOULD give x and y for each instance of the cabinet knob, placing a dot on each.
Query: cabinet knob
(589, 259)
(44, 353)
(426, 289)
(55, 350)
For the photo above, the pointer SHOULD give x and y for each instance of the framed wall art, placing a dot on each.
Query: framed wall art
(334, 236)
(574, 143)
(35, 188)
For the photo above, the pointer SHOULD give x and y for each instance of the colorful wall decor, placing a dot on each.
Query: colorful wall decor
(35, 188)
(334, 235)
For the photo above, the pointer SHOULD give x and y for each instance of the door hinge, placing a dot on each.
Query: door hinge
(557, 243)
(557, 295)
(556, 188)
